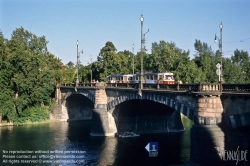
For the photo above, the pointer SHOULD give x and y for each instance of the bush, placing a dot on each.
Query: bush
(33, 114)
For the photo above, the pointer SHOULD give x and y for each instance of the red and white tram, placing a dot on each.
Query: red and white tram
(166, 78)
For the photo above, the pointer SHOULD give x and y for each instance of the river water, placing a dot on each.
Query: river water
(42, 142)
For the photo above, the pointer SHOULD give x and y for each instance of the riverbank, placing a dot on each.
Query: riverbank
(5, 123)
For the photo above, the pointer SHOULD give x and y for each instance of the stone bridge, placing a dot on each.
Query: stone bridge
(214, 108)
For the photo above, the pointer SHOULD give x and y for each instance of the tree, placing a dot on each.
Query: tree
(231, 72)
(206, 60)
(111, 62)
(28, 72)
(189, 72)
(242, 60)
(6, 97)
(167, 57)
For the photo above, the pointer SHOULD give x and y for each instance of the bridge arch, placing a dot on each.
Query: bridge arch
(186, 108)
(78, 107)
(87, 93)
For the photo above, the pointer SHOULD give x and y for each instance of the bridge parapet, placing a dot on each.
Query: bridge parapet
(201, 87)
(236, 87)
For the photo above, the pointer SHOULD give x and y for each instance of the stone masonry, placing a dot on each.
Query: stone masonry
(103, 124)
(207, 110)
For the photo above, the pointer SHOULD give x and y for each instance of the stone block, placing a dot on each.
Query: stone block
(218, 100)
(209, 114)
(218, 105)
(201, 100)
(210, 105)
(219, 110)
(202, 105)
(210, 110)
(218, 114)
(210, 101)
(201, 113)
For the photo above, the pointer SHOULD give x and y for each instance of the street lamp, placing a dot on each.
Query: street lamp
(77, 63)
(142, 50)
(77, 81)
(220, 50)
(133, 46)
(91, 70)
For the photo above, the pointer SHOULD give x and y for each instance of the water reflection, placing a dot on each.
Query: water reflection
(185, 138)
(107, 152)
(70, 136)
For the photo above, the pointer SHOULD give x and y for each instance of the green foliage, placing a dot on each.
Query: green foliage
(28, 76)
(167, 57)
(111, 62)
(231, 72)
(206, 60)
(189, 73)
(33, 114)
(29, 72)
(241, 59)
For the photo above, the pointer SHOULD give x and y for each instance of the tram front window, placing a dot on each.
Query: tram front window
(169, 77)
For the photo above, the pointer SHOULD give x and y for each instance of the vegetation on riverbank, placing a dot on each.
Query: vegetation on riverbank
(29, 72)
(28, 75)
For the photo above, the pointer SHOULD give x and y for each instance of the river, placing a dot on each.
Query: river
(51, 142)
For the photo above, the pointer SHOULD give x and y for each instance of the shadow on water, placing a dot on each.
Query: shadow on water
(75, 135)
(173, 147)
(236, 140)
(131, 151)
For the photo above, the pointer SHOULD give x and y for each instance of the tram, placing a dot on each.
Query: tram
(154, 78)
(119, 78)
(166, 78)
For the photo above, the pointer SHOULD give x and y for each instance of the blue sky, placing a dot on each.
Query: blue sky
(94, 22)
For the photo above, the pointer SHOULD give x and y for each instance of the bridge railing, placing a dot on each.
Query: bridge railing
(67, 84)
(211, 87)
(235, 87)
(79, 84)
(185, 87)
(206, 87)
(121, 85)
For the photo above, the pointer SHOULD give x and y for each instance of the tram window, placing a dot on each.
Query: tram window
(151, 77)
(130, 78)
(161, 77)
(168, 77)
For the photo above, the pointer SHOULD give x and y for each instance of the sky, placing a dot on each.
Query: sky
(94, 22)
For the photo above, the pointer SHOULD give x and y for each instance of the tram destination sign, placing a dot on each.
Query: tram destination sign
(152, 148)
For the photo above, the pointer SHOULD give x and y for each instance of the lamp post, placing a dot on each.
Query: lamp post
(220, 50)
(77, 81)
(141, 85)
(133, 46)
(91, 70)
(142, 50)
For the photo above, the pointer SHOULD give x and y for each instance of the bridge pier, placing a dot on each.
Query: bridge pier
(103, 123)
(207, 138)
